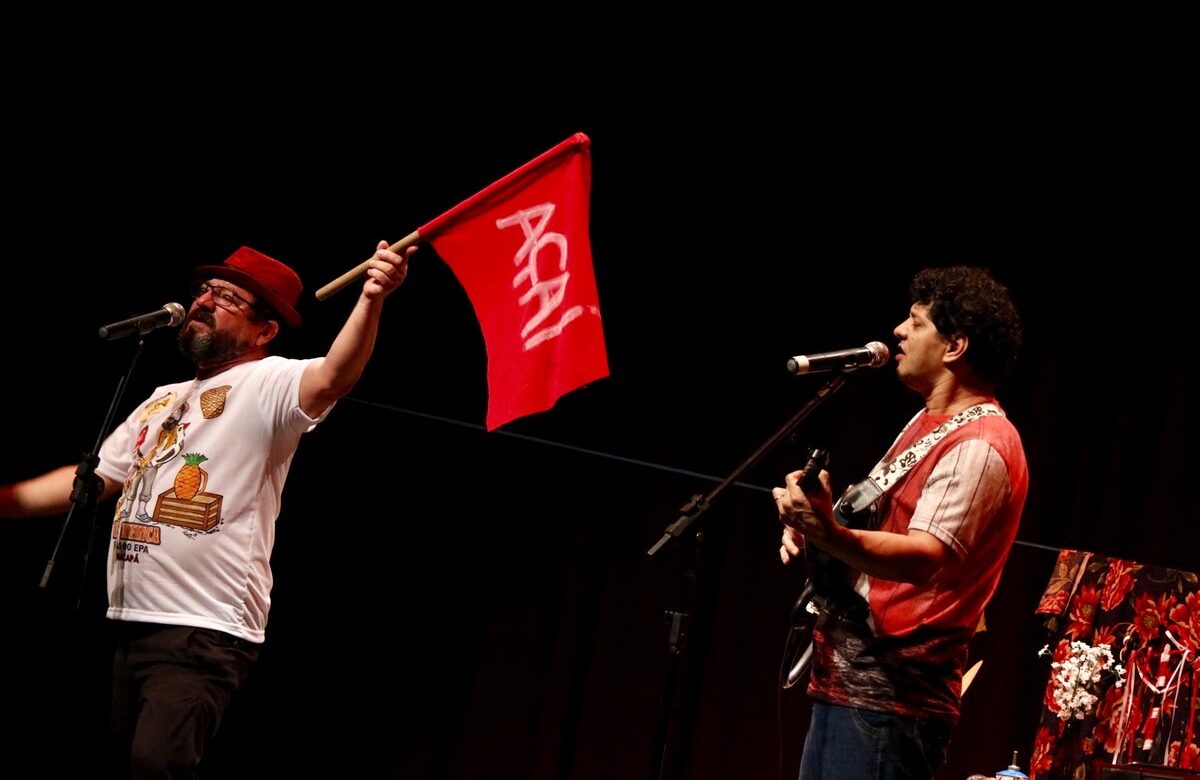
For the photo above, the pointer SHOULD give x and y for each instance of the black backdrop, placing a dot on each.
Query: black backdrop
(456, 604)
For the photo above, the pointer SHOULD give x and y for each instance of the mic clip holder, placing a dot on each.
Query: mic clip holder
(87, 487)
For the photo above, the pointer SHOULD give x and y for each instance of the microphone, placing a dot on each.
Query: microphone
(170, 315)
(873, 355)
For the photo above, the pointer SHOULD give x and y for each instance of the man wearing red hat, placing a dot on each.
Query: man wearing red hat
(200, 467)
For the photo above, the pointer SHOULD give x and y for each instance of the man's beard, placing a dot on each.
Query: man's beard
(211, 346)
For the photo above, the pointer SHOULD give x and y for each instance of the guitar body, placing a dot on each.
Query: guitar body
(830, 585)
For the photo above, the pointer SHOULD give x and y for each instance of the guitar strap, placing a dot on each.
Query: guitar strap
(884, 477)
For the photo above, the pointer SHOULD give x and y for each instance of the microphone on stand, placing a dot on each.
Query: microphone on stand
(873, 355)
(170, 315)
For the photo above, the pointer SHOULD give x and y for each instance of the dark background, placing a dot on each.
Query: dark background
(456, 604)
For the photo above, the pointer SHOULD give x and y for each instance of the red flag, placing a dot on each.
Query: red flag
(521, 250)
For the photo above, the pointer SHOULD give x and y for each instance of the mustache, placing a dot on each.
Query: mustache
(201, 315)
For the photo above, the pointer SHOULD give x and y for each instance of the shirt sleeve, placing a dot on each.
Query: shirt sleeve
(966, 488)
(279, 395)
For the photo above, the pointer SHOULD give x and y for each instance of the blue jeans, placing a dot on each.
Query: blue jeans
(851, 744)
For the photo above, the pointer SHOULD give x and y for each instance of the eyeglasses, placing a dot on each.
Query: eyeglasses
(222, 296)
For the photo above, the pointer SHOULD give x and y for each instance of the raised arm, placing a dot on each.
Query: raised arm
(329, 378)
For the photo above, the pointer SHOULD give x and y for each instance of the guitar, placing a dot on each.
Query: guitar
(830, 583)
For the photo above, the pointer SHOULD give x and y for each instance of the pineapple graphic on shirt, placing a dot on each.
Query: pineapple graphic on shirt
(191, 479)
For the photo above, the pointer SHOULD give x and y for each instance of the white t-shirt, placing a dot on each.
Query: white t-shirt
(203, 464)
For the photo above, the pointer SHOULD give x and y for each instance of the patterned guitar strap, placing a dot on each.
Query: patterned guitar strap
(884, 477)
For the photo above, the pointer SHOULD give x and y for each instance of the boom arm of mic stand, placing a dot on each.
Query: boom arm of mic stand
(700, 504)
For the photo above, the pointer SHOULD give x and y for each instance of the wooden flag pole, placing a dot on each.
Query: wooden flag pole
(348, 278)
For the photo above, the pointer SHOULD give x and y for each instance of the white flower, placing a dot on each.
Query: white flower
(1077, 678)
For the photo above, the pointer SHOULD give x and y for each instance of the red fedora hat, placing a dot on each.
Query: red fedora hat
(266, 277)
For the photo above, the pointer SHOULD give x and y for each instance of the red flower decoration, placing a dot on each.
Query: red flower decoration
(1185, 622)
(1061, 652)
(1118, 581)
(1043, 749)
(1053, 603)
(1108, 713)
(1083, 612)
(1151, 615)
(1106, 635)
(1190, 758)
(1048, 697)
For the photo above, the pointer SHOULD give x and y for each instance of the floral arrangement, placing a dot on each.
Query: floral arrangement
(1077, 675)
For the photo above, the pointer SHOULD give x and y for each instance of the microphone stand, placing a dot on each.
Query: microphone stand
(691, 512)
(88, 487)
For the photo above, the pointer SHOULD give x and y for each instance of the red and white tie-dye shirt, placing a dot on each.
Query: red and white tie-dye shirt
(908, 658)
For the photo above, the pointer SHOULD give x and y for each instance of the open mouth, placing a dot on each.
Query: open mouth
(203, 317)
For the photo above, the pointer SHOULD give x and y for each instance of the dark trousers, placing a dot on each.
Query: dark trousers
(171, 685)
(850, 744)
